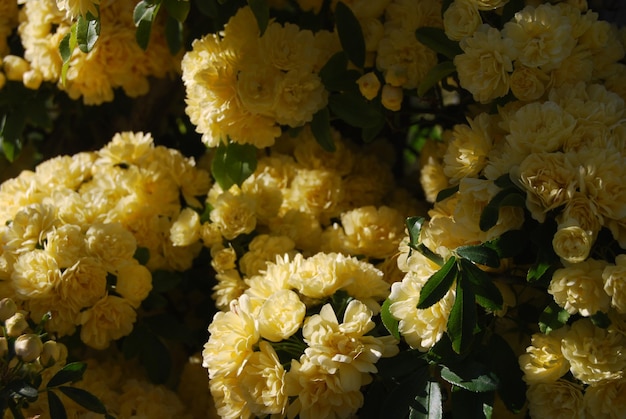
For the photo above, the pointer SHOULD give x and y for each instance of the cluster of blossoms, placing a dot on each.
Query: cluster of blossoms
(300, 199)
(11, 66)
(283, 349)
(577, 371)
(542, 47)
(116, 61)
(72, 228)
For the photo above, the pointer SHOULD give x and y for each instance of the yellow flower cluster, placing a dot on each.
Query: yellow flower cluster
(72, 227)
(11, 66)
(242, 86)
(542, 47)
(302, 199)
(331, 360)
(595, 358)
(116, 60)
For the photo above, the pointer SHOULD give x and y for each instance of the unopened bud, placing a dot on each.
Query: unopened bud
(16, 324)
(52, 353)
(32, 79)
(392, 97)
(15, 67)
(369, 85)
(7, 309)
(28, 347)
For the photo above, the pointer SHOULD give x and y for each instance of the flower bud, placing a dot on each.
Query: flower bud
(4, 347)
(7, 309)
(392, 97)
(32, 79)
(15, 67)
(369, 85)
(16, 324)
(28, 347)
(52, 353)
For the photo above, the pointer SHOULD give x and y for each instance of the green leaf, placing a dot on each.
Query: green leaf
(84, 398)
(510, 8)
(143, 15)
(470, 375)
(468, 405)
(446, 193)
(177, 9)
(261, 11)
(509, 244)
(354, 109)
(487, 294)
(406, 362)
(435, 75)
(390, 322)
(320, 127)
(370, 132)
(430, 254)
(404, 394)
(21, 388)
(462, 320)
(553, 317)
(9, 149)
(438, 284)
(350, 34)
(504, 181)
(335, 74)
(163, 281)
(87, 33)
(155, 357)
(70, 373)
(168, 327)
(436, 39)
(55, 406)
(132, 344)
(481, 254)
(233, 164)
(414, 227)
(174, 34)
(13, 125)
(491, 212)
(429, 402)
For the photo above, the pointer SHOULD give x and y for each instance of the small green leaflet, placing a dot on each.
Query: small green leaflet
(487, 294)
(552, 318)
(438, 284)
(390, 322)
(481, 254)
(68, 374)
(462, 320)
(261, 11)
(177, 9)
(144, 15)
(435, 75)
(66, 47)
(55, 406)
(320, 127)
(436, 39)
(350, 34)
(84, 398)
(233, 163)
(414, 226)
(87, 33)
(429, 402)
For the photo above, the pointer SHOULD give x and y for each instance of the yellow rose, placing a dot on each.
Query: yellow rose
(614, 277)
(596, 355)
(111, 243)
(528, 83)
(134, 283)
(572, 243)
(234, 213)
(468, 148)
(28, 347)
(317, 191)
(66, 244)
(485, 64)
(606, 400)
(257, 88)
(52, 353)
(7, 309)
(262, 382)
(16, 324)
(14, 67)
(109, 319)
(543, 361)
(560, 399)
(461, 19)
(391, 97)
(281, 315)
(373, 231)
(228, 288)
(35, 274)
(578, 288)
(82, 284)
(263, 249)
(300, 95)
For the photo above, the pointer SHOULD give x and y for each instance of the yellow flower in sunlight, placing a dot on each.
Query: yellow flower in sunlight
(82, 284)
(485, 64)
(109, 319)
(35, 275)
(228, 288)
(185, 229)
(560, 399)
(371, 231)
(578, 288)
(263, 249)
(300, 95)
(280, 316)
(234, 213)
(262, 382)
(316, 191)
(596, 355)
(572, 243)
(543, 361)
(75, 8)
(111, 243)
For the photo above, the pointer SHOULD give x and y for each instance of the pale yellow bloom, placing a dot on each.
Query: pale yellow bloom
(263, 249)
(468, 148)
(280, 316)
(28, 347)
(572, 243)
(485, 64)
(614, 277)
(82, 284)
(578, 288)
(316, 191)
(560, 399)
(35, 275)
(369, 85)
(543, 361)
(234, 213)
(14, 67)
(391, 97)
(606, 400)
(75, 8)
(186, 229)
(461, 19)
(65, 244)
(111, 243)
(528, 83)
(228, 288)
(371, 231)
(109, 319)
(596, 355)
(134, 283)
